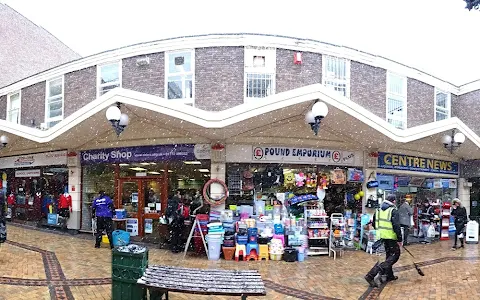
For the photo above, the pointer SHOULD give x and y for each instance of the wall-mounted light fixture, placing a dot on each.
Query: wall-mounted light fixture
(118, 119)
(453, 141)
(315, 116)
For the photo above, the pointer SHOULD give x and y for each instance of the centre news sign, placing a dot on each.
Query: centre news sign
(403, 162)
(302, 155)
(146, 154)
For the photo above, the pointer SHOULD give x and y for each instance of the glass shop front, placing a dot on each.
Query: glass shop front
(140, 180)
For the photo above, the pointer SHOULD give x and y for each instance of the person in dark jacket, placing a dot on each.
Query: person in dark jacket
(387, 225)
(460, 214)
(103, 209)
(3, 224)
(175, 221)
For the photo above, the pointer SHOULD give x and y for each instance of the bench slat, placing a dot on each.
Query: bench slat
(204, 281)
(182, 276)
(190, 283)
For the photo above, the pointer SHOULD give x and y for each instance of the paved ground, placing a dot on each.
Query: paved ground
(44, 265)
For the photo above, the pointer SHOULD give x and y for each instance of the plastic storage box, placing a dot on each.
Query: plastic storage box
(120, 213)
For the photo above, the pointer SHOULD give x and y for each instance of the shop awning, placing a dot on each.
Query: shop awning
(277, 119)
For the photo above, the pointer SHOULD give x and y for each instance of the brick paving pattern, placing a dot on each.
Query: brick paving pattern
(44, 265)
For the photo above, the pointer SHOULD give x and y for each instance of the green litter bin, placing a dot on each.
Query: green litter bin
(127, 268)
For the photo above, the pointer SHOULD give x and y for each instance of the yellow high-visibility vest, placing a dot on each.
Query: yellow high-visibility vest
(383, 224)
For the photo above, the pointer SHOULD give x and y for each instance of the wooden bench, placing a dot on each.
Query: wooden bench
(164, 279)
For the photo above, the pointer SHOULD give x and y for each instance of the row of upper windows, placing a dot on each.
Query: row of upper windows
(260, 73)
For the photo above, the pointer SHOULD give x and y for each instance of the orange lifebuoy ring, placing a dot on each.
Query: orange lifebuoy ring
(206, 195)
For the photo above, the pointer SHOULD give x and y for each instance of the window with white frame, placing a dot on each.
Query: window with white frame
(260, 72)
(442, 105)
(13, 107)
(54, 102)
(180, 76)
(397, 100)
(109, 76)
(336, 74)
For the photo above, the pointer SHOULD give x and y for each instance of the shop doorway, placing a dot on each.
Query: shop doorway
(143, 199)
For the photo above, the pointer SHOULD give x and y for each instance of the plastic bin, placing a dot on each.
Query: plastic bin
(127, 268)
(120, 213)
(214, 247)
(120, 238)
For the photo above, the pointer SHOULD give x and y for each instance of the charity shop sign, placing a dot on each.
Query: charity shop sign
(302, 155)
(34, 160)
(187, 152)
(417, 164)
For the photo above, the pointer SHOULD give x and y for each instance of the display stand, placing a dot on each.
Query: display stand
(317, 229)
(445, 222)
(196, 224)
(337, 233)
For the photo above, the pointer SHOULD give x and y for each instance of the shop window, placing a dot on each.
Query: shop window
(336, 74)
(265, 181)
(95, 178)
(442, 105)
(14, 107)
(397, 100)
(54, 102)
(31, 194)
(109, 76)
(180, 76)
(260, 72)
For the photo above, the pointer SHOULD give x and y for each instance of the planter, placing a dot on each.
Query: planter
(228, 252)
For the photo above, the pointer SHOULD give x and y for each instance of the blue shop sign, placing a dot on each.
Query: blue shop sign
(385, 182)
(186, 152)
(417, 164)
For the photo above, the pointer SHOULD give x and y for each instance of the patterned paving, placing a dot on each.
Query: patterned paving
(43, 265)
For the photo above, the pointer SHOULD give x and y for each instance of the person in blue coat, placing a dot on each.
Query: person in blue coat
(103, 209)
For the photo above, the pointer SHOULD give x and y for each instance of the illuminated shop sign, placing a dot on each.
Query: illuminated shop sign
(414, 163)
(146, 154)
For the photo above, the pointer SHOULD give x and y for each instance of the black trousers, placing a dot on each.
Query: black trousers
(176, 230)
(392, 256)
(459, 228)
(104, 224)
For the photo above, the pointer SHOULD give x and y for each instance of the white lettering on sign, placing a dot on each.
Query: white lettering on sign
(105, 156)
(306, 155)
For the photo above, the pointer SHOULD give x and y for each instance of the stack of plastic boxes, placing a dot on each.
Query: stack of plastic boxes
(215, 239)
(229, 238)
(197, 239)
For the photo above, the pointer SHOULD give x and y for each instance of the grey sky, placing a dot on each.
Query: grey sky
(434, 36)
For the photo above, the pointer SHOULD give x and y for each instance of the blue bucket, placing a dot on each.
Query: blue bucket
(120, 238)
(301, 256)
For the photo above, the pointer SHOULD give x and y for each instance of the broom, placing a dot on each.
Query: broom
(419, 271)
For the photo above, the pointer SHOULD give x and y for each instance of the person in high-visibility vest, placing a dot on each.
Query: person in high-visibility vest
(387, 225)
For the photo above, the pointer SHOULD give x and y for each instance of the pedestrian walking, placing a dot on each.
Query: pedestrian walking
(405, 213)
(3, 223)
(103, 209)
(175, 218)
(460, 214)
(387, 224)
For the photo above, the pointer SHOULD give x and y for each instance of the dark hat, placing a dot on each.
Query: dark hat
(391, 198)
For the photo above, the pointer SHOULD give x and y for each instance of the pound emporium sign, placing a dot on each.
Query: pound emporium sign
(302, 155)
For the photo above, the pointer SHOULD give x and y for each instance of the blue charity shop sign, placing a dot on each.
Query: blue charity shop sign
(146, 154)
(414, 163)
